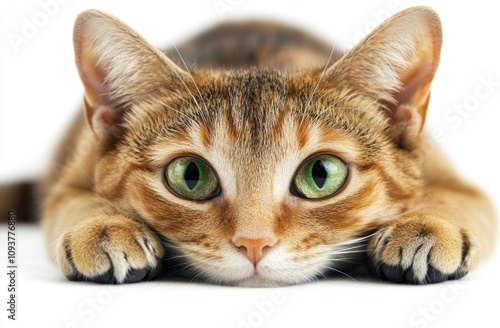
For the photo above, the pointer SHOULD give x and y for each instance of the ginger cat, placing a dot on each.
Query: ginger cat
(260, 157)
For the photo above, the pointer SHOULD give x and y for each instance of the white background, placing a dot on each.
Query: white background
(40, 93)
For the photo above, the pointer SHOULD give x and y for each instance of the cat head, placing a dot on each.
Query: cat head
(259, 176)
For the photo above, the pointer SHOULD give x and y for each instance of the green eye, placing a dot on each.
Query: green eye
(319, 177)
(192, 178)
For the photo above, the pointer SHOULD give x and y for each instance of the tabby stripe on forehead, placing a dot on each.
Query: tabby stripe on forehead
(279, 127)
(205, 135)
(230, 124)
(303, 133)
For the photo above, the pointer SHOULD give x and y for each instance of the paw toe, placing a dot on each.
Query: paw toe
(113, 253)
(398, 274)
(136, 275)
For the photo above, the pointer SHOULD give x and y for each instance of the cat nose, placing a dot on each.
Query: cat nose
(255, 249)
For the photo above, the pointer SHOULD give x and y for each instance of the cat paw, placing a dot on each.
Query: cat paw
(111, 249)
(421, 250)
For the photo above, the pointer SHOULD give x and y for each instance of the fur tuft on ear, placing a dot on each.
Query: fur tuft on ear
(117, 67)
(395, 65)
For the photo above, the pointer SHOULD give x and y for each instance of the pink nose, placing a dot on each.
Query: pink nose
(255, 249)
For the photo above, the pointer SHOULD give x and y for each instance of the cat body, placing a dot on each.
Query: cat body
(294, 159)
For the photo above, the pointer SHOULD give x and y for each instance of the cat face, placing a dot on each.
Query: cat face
(259, 177)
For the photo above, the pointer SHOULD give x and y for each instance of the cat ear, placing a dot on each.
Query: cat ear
(395, 65)
(118, 68)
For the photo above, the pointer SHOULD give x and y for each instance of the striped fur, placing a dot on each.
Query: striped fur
(110, 217)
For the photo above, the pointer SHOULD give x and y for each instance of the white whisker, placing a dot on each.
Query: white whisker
(346, 252)
(318, 82)
(342, 272)
(195, 85)
(185, 85)
(169, 107)
(356, 240)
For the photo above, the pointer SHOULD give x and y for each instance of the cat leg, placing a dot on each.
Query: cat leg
(92, 240)
(442, 240)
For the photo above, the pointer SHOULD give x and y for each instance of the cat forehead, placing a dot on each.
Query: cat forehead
(255, 110)
(254, 141)
(256, 98)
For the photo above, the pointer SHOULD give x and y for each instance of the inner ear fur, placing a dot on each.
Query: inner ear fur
(118, 68)
(395, 65)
